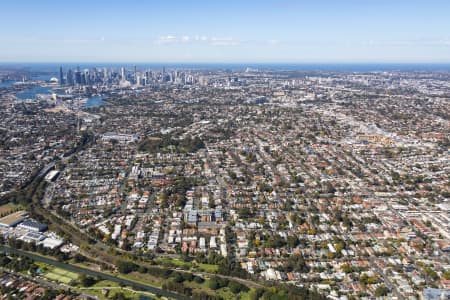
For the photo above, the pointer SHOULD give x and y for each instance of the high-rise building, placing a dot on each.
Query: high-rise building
(87, 77)
(105, 75)
(123, 74)
(61, 76)
(78, 77)
(70, 80)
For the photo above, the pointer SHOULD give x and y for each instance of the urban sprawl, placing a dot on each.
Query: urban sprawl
(218, 184)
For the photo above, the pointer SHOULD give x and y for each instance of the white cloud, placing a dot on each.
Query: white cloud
(167, 39)
(445, 42)
(212, 41)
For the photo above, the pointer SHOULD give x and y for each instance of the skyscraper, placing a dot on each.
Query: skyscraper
(78, 77)
(70, 77)
(61, 76)
(87, 77)
(123, 73)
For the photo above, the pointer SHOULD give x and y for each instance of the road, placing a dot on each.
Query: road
(386, 280)
(90, 272)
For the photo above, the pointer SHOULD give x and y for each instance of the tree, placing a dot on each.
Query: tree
(126, 267)
(177, 277)
(347, 268)
(79, 258)
(49, 294)
(86, 280)
(236, 287)
(119, 296)
(187, 276)
(381, 291)
(446, 274)
(293, 241)
(214, 283)
(198, 279)
(296, 263)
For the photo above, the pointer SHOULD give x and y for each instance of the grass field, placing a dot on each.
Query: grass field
(63, 276)
(208, 268)
(143, 278)
(9, 208)
(60, 275)
(113, 288)
(225, 292)
(174, 262)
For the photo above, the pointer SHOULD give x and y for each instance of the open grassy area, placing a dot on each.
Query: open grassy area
(97, 288)
(178, 263)
(143, 278)
(57, 277)
(173, 263)
(225, 292)
(113, 288)
(9, 208)
(60, 275)
(248, 295)
(208, 268)
(106, 283)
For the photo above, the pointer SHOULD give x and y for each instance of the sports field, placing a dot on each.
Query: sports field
(60, 275)
(9, 208)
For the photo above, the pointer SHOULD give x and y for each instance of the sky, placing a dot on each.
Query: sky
(233, 31)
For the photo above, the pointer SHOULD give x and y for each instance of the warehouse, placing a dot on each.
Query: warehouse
(32, 226)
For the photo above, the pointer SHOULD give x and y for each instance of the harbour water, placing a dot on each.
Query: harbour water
(92, 101)
(6, 84)
(33, 91)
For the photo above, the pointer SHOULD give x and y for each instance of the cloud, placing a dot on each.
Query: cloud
(214, 41)
(445, 42)
(167, 39)
(197, 39)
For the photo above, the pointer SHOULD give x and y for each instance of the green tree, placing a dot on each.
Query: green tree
(381, 291)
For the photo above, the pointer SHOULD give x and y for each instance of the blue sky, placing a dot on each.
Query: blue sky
(283, 31)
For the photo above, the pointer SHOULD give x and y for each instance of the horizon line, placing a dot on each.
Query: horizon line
(238, 62)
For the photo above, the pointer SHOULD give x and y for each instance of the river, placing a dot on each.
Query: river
(90, 272)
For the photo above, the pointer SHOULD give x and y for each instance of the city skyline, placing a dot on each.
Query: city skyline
(232, 32)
